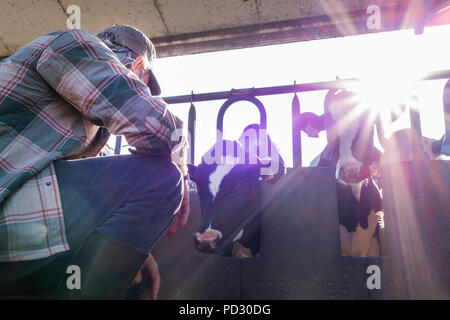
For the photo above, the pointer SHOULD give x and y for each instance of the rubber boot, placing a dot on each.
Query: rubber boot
(106, 270)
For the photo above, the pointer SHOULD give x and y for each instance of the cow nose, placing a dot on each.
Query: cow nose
(207, 240)
(350, 173)
(364, 172)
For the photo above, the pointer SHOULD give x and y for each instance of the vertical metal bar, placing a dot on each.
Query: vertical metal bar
(296, 133)
(445, 147)
(416, 128)
(230, 101)
(118, 146)
(191, 130)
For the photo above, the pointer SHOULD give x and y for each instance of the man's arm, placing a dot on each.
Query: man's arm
(88, 75)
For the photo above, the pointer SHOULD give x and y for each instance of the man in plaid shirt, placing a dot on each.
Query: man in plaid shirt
(61, 96)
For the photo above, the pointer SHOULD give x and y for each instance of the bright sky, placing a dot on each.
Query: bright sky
(396, 57)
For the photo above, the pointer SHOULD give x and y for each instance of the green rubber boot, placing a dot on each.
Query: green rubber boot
(101, 269)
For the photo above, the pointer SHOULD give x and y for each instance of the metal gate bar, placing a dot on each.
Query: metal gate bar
(239, 94)
(292, 88)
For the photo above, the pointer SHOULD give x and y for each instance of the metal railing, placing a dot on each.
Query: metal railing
(250, 94)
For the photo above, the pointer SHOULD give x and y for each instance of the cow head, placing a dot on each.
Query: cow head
(229, 181)
(351, 132)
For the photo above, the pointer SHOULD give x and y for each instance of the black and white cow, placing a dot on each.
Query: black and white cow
(350, 150)
(229, 181)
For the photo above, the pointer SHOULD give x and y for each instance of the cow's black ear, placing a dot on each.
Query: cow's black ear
(191, 171)
(254, 172)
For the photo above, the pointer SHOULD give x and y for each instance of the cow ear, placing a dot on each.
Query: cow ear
(191, 171)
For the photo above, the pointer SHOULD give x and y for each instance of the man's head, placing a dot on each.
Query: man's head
(134, 46)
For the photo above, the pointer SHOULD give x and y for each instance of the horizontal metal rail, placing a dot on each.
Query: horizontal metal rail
(266, 91)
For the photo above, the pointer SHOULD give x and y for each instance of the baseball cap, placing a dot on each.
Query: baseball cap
(138, 43)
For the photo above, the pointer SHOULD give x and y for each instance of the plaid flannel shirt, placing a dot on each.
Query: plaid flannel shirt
(60, 96)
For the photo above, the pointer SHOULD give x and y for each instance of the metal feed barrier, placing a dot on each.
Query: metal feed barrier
(300, 246)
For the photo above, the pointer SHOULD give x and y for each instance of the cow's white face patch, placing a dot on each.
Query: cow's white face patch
(348, 130)
(215, 179)
(356, 189)
(347, 127)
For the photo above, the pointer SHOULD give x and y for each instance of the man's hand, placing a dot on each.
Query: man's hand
(152, 266)
(182, 215)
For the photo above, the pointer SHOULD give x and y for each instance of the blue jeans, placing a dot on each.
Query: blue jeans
(129, 198)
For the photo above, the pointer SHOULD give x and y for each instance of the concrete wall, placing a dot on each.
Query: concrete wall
(189, 26)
